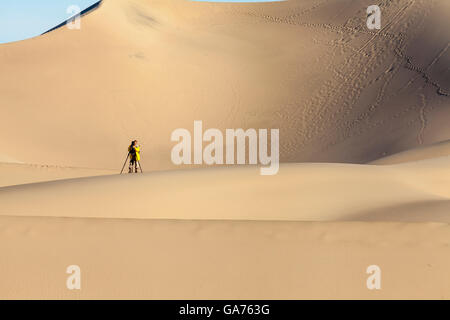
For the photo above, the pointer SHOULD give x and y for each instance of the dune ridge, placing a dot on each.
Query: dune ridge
(435, 150)
(84, 12)
(21, 173)
(301, 192)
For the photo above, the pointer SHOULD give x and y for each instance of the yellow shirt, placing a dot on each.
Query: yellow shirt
(137, 149)
(138, 156)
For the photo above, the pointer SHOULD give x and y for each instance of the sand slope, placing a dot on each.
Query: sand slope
(440, 149)
(157, 259)
(338, 91)
(16, 173)
(200, 234)
(303, 192)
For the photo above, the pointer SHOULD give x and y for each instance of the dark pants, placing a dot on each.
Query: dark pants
(133, 162)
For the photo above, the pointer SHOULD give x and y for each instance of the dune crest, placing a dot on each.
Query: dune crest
(21, 173)
(300, 192)
(440, 149)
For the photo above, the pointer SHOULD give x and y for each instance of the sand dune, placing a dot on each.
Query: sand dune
(337, 91)
(302, 192)
(71, 100)
(158, 259)
(15, 173)
(440, 149)
(218, 233)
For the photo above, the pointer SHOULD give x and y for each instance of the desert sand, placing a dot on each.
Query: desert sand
(229, 233)
(436, 150)
(19, 173)
(221, 259)
(337, 91)
(364, 141)
(299, 192)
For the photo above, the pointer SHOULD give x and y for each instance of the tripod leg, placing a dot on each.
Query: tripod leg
(125, 163)
(140, 168)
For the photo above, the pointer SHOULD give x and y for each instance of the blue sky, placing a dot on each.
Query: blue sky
(23, 19)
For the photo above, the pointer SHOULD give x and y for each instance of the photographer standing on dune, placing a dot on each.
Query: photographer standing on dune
(135, 157)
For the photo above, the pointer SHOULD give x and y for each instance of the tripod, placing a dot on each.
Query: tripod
(138, 162)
